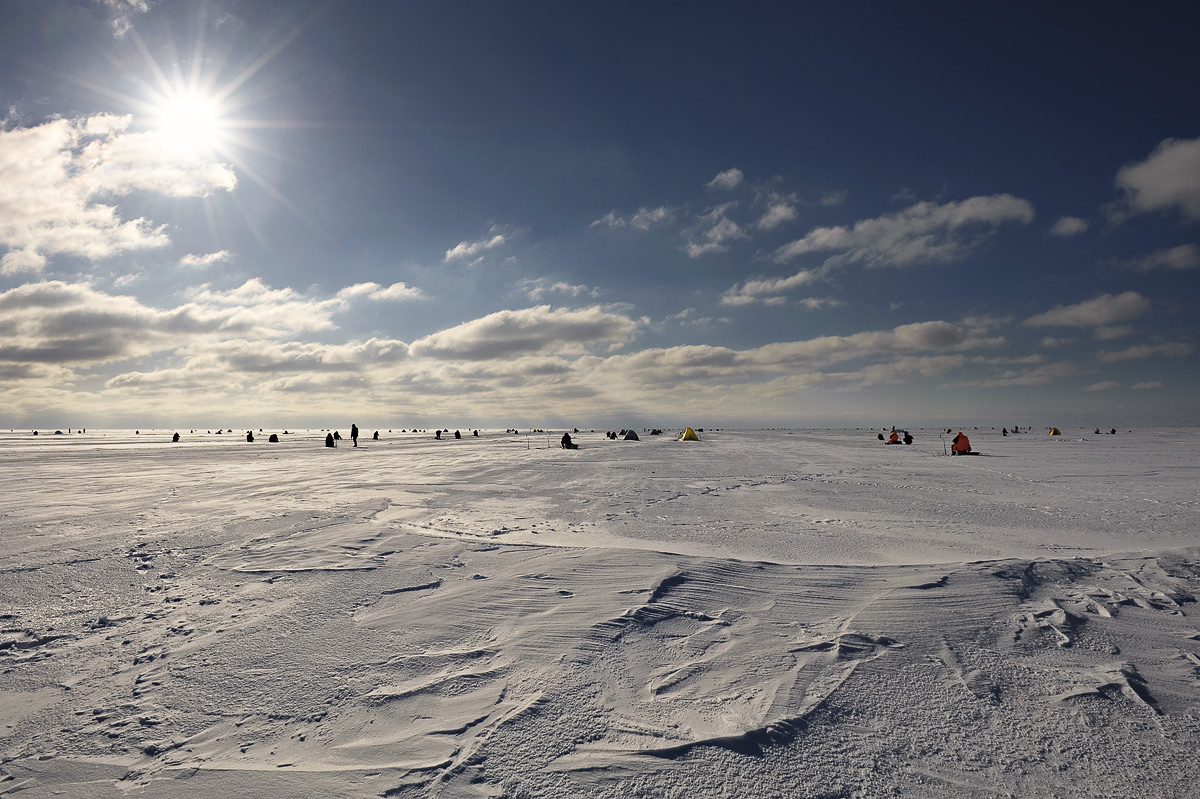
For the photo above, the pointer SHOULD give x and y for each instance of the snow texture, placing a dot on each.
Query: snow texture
(755, 614)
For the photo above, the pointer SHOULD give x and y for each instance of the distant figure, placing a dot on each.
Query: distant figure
(907, 437)
(329, 442)
(475, 433)
(250, 436)
(35, 432)
(1097, 432)
(273, 438)
(948, 431)
(1003, 431)
(880, 436)
(337, 436)
(894, 439)
(567, 443)
(354, 434)
(961, 446)
(376, 436)
(457, 434)
(175, 439)
(438, 435)
(1112, 432)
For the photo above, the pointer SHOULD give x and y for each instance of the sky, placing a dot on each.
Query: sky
(476, 214)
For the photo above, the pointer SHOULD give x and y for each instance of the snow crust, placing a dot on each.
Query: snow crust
(755, 614)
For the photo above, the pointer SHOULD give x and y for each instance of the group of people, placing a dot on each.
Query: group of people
(895, 437)
(333, 437)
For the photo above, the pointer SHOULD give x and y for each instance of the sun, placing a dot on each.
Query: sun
(188, 123)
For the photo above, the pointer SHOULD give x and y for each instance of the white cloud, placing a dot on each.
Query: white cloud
(922, 233)
(779, 211)
(1052, 342)
(1103, 385)
(713, 232)
(1068, 226)
(255, 308)
(469, 249)
(531, 331)
(1183, 257)
(611, 220)
(73, 324)
(538, 289)
(206, 260)
(1169, 349)
(643, 219)
(51, 176)
(1106, 309)
(833, 198)
(768, 290)
(729, 179)
(646, 218)
(1169, 179)
(397, 291)
(121, 13)
(900, 370)
(1147, 385)
(1109, 332)
(817, 303)
(1042, 375)
(374, 291)
(239, 357)
(690, 317)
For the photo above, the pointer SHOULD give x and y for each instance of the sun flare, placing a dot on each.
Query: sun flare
(189, 124)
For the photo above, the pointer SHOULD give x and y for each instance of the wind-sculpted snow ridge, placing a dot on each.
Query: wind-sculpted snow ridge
(494, 621)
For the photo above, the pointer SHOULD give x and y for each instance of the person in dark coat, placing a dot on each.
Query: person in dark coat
(354, 434)
(567, 443)
(329, 442)
(376, 436)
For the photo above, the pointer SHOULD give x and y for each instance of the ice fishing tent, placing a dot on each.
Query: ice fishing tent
(1054, 431)
(630, 436)
(688, 434)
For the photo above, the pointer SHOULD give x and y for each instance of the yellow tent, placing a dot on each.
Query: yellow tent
(1054, 431)
(688, 434)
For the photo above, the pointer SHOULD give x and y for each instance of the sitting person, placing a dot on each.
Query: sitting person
(908, 439)
(895, 439)
(567, 443)
(960, 445)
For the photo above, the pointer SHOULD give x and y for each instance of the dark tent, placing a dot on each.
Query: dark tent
(631, 436)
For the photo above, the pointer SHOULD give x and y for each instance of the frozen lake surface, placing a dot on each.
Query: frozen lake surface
(759, 614)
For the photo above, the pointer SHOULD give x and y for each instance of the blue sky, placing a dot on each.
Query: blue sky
(255, 214)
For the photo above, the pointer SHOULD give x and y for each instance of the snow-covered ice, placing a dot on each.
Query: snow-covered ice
(756, 614)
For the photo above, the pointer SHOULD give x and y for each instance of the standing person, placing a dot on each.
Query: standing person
(354, 434)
